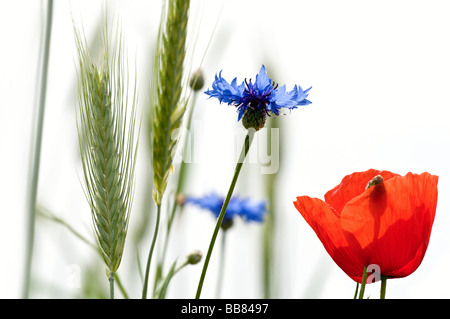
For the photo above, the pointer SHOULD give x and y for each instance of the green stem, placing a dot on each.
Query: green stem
(44, 212)
(356, 290)
(152, 247)
(180, 186)
(221, 266)
(269, 222)
(41, 211)
(245, 148)
(36, 152)
(121, 287)
(363, 283)
(160, 292)
(383, 287)
(160, 265)
(111, 285)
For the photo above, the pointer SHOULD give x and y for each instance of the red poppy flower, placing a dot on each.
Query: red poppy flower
(388, 224)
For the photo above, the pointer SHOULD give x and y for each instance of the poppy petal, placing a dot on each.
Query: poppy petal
(351, 186)
(324, 220)
(390, 224)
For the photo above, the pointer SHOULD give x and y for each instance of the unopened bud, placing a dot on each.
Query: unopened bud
(197, 80)
(226, 224)
(374, 181)
(180, 199)
(194, 257)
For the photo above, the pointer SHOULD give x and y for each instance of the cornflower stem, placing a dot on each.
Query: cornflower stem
(363, 283)
(269, 223)
(36, 152)
(160, 292)
(245, 148)
(111, 285)
(221, 265)
(383, 287)
(150, 254)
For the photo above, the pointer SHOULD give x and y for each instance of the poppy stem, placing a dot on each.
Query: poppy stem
(363, 283)
(383, 287)
(245, 148)
(356, 290)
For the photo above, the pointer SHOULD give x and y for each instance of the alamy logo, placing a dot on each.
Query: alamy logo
(264, 149)
(373, 273)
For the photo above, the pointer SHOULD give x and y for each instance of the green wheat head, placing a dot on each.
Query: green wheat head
(107, 140)
(167, 103)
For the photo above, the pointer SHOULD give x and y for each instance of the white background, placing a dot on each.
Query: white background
(380, 72)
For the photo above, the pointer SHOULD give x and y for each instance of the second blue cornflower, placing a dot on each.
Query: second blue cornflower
(247, 209)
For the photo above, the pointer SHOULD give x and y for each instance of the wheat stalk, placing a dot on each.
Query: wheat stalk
(167, 104)
(108, 143)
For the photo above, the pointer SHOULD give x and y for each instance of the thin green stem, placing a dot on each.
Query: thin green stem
(356, 290)
(160, 265)
(121, 287)
(269, 222)
(36, 152)
(160, 292)
(180, 186)
(383, 287)
(221, 265)
(245, 148)
(363, 283)
(150, 254)
(111, 285)
(43, 212)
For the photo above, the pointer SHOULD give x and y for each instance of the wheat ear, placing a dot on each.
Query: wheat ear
(108, 143)
(167, 104)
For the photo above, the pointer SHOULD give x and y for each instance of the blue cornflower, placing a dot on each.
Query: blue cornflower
(254, 101)
(247, 209)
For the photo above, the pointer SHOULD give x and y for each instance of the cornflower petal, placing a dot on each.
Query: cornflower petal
(224, 91)
(211, 202)
(279, 98)
(262, 81)
(300, 95)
